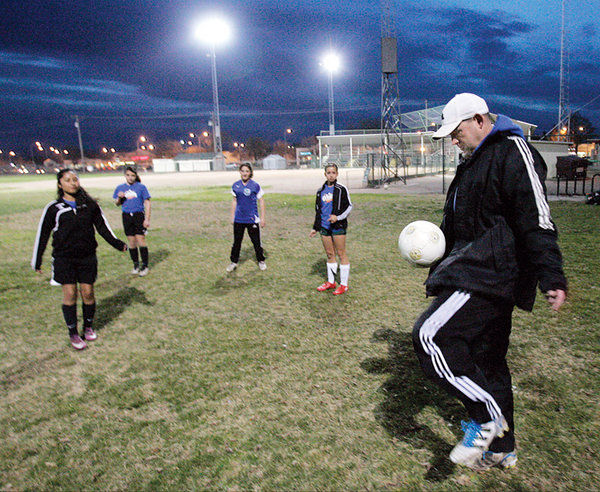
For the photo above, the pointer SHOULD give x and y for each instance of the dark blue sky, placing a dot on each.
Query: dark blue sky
(132, 67)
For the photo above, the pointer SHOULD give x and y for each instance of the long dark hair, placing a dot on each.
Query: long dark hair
(246, 164)
(81, 196)
(137, 176)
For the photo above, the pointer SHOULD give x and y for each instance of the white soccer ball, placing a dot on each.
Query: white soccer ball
(422, 243)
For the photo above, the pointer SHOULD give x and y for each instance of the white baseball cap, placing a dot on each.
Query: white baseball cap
(461, 107)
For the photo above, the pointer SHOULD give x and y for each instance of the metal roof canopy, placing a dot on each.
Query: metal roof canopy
(423, 121)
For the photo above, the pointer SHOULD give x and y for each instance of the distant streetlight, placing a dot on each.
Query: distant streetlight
(288, 131)
(332, 63)
(213, 31)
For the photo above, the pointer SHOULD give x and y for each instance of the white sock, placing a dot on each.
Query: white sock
(331, 271)
(344, 274)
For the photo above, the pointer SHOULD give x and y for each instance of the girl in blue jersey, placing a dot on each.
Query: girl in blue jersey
(332, 208)
(134, 200)
(71, 220)
(244, 216)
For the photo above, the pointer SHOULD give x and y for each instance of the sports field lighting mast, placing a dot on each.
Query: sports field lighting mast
(331, 62)
(213, 31)
(79, 138)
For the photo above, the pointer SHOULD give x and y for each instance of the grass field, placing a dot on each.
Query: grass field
(255, 381)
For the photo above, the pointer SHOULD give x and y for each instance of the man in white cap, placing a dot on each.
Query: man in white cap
(500, 244)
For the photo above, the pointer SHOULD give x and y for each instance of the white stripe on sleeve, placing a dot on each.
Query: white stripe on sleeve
(540, 200)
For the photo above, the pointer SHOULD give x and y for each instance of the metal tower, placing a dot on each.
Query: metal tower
(393, 166)
(563, 100)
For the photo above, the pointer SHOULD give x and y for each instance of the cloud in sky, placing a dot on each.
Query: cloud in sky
(142, 63)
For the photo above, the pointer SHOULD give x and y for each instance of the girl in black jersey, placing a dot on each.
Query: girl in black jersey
(71, 220)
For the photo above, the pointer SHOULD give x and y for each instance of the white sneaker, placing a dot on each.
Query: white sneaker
(143, 272)
(262, 265)
(231, 267)
(489, 459)
(477, 440)
(135, 271)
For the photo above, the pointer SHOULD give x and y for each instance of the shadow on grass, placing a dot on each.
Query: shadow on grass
(319, 267)
(407, 392)
(107, 310)
(112, 307)
(158, 256)
(235, 279)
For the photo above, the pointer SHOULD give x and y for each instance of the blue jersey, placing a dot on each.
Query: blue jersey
(135, 194)
(246, 195)
(326, 206)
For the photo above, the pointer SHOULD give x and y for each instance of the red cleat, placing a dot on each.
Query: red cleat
(340, 290)
(325, 286)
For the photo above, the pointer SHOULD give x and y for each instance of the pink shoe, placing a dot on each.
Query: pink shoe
(89, 334)
(77, 342)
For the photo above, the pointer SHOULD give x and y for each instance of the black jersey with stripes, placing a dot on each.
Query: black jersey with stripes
(72, 231)
(341, 206)
(500, 238)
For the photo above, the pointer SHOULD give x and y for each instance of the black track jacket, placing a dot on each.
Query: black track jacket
(500, 239)
(72, 231)
(342, 206)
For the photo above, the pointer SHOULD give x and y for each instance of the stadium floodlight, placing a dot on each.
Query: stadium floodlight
(213, 31)
(332, 63)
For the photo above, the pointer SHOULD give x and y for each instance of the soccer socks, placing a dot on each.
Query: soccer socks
(344, 274)
(70, 315)
(133, 252)
(144, 255)
(331, 271)
(88, 314)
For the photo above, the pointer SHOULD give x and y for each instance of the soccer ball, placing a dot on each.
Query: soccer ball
(422, 243)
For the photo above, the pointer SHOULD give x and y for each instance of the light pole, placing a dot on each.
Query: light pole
(288, 131)
(213, 31)
(331, 62)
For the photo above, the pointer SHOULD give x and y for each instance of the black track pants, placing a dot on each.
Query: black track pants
(238, 235)
(461, 341)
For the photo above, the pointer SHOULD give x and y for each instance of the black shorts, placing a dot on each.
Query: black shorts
(133, 223)
(74, 270)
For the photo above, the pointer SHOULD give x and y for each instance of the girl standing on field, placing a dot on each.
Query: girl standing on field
(134, 200)
(244, 216)
(332, 208)
(71, 220)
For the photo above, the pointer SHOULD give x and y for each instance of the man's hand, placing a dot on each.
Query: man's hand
(312, 233)
(146, 223)
(332, 218)
(556, 298)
